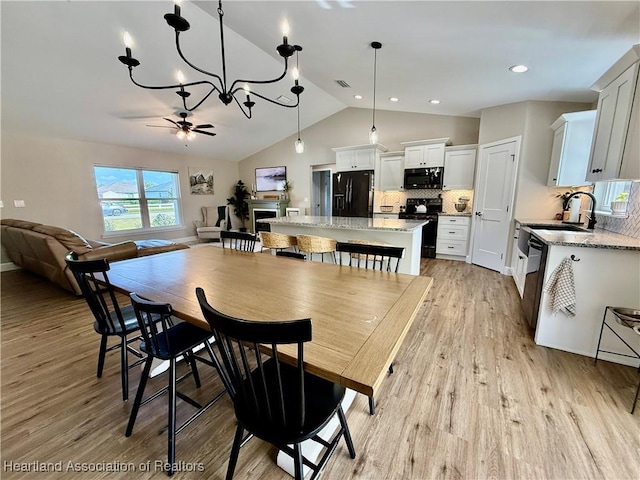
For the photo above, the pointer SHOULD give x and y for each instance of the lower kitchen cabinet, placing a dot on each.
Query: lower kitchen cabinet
(452, 240)
(603, 277)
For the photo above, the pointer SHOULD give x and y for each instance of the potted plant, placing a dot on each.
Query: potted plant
(565, 206)
(619, 204)
(286, 188)
(239, 202)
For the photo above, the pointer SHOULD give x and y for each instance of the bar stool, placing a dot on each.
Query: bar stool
(312, 244)
(277, 241)
(627, 317)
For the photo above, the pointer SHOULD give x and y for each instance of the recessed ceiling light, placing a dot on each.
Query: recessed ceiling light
(393, 99)
(519, 68)
(358, 97)
(434, 101)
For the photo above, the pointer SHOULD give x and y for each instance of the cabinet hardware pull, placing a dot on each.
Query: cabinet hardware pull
(573, 257)
(450, 247)
(452, 232)
(596, 170)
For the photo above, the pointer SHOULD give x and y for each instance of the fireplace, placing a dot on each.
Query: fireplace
(260, 214)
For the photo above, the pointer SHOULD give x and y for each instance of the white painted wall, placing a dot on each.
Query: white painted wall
(55, 179)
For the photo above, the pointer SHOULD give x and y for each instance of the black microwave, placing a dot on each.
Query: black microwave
(423, 178)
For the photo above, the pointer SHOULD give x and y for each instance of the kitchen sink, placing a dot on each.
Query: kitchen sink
(562, 227)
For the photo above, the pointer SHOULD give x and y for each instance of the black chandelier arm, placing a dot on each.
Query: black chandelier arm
(184, 99)
(275, 102)
(221, 89)
(259, 82)
(243, 108)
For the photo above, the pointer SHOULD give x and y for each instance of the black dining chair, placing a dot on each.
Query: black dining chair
(167, 339)
(364, 255)
(110, 319)
(277, 402)
(371, 256)
(238, 240)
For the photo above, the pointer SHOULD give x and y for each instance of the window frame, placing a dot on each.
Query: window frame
(605, 192)
(143, 201)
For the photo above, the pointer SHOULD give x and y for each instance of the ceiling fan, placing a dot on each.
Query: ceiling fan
(186, 130)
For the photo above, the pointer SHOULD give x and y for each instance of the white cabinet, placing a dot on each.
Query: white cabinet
(391, 174)
(614, 152)
(459, 167)
(359, 157)
(390, 216)
(519, 269)
(425, 153)
(572, 136)
(453, 237)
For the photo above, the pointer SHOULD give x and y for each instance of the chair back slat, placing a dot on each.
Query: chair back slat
(238, 240)
(154, 320)
(369, 256)
(97, 292)
(259, 385)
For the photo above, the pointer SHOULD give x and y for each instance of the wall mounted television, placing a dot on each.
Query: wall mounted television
(270, 178)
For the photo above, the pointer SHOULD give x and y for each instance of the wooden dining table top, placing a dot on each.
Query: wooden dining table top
(359, 317)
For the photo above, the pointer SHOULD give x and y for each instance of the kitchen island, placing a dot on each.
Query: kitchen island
(606, 270)
(400, 233)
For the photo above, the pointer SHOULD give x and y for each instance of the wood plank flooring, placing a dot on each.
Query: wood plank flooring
(472, 396)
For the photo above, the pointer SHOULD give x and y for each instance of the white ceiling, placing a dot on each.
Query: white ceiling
(61, 76)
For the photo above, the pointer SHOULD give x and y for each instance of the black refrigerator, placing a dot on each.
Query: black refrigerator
(353, 194)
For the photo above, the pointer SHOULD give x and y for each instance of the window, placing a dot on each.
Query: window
(137, 199)
(607, 192)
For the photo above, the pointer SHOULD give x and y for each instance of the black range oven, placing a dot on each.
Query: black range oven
(430, 207)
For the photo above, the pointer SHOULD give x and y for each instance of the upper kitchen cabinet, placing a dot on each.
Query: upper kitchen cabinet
(391, 175)
(572, 136)
(459, 167)
(358, 157)
(615, 151)
(425, 153)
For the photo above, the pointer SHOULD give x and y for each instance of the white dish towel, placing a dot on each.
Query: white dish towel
(561, 288)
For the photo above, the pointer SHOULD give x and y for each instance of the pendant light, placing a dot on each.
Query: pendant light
(373, 133)
(299, 144)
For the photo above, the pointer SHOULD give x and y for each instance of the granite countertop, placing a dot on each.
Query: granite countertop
(350, 223)
(597, 238)
(456, 214)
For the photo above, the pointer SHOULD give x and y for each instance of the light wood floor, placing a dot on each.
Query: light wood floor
(472, 397)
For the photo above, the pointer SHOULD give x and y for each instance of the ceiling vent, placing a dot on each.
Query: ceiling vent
(343, 84)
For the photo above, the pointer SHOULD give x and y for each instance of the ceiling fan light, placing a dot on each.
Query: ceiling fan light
(191, 135)
(181, 134)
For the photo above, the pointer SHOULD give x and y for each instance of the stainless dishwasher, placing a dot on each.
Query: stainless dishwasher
(536, 252)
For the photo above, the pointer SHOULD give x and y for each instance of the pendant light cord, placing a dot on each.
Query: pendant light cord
(375, 69)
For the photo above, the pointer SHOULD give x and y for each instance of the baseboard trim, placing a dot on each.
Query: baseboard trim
(7, 267)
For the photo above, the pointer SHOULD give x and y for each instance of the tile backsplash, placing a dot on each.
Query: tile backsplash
(397, 198)
(626, 226)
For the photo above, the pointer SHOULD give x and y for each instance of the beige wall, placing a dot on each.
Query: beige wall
(55, 179)
(351, 127)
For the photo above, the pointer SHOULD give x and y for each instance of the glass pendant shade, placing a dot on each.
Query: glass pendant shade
(299, 146)
(373, 136)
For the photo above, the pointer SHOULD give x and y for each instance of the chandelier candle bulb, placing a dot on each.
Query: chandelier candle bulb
(285, 32)
(128, 41)
(176, 7)
(180, 77)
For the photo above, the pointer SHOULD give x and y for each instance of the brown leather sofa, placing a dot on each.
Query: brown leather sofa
(41, 249)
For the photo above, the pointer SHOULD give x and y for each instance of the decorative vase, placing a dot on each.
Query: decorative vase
(619, 208)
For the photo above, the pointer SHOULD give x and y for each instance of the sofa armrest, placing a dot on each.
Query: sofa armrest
(98, 243)
(113, 252)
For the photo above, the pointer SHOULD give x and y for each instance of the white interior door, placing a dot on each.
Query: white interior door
(495, 185)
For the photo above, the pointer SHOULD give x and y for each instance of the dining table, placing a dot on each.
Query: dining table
(359, 317)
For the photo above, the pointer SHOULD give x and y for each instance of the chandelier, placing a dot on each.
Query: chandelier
(227, 93)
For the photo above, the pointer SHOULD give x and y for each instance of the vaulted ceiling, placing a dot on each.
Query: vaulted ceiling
(60, 74)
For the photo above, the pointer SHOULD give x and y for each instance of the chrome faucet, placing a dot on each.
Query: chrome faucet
(592, 218)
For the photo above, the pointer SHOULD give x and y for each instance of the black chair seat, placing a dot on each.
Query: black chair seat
(180, 338)
(130, 323)
(322, 399)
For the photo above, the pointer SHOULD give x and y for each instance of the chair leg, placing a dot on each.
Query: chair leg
(372, 406)
(101, 353)
(139, 393)
(124, 367)
(171, 430)
(194, 368)
(347, 433)
(297, 462)
(235, 450)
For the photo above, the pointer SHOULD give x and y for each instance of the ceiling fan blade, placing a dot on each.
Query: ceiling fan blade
(204, 125)
(159, 126)
(203, 132)
(169, 120)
